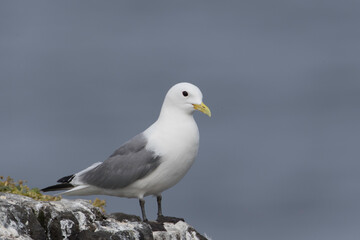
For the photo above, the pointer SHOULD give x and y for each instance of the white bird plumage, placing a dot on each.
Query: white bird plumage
(151, 162)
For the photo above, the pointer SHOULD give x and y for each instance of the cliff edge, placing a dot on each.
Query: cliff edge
(23, 218)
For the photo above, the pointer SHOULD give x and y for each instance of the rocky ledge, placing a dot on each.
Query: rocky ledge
(25, 218)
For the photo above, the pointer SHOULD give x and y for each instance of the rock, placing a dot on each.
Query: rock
(24, 218)
(123, 216)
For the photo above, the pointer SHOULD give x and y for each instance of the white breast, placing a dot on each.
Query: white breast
(178, 146)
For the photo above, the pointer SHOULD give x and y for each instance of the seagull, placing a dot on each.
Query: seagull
(152, 161)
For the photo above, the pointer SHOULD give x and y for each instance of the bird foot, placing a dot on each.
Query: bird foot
(162, 219)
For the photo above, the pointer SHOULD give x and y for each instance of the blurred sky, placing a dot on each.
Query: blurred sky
(279, 158)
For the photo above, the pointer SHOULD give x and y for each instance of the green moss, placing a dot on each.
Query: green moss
(10, 186)
(99, 203)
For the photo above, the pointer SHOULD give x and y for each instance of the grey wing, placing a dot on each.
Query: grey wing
(130, 162)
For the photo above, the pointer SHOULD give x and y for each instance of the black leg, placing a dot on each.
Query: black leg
(159, 198)
(161, 218)
(142, 205)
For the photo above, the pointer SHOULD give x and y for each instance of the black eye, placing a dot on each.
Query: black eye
(185, 93)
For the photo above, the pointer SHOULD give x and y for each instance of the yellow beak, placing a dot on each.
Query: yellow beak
(202, 108)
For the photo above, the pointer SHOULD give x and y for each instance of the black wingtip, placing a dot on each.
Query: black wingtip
(58, 187)
(66, 179)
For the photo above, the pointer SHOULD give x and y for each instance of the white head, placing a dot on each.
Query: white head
(184, 98)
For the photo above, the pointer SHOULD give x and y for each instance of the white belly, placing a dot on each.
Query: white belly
(177, 149)
(170, 172)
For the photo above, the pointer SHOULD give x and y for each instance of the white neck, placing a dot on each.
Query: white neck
(172, 126)
(170, 114)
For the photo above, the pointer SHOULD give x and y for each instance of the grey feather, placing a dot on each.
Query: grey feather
(131, 162)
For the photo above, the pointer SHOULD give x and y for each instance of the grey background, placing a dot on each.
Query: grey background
(279, 159)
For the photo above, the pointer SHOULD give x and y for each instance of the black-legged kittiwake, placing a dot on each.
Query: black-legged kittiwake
(150, 162)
